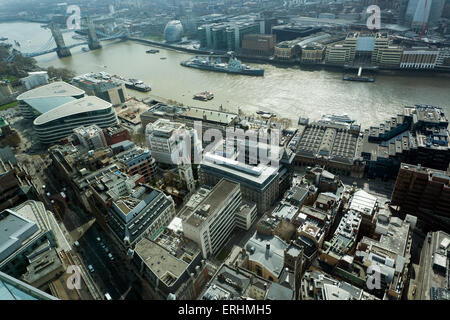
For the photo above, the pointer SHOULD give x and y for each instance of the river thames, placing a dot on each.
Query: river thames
(288, 92)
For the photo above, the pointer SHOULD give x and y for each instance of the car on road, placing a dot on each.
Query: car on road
(76, 243)
(99, 239)
(110, 256)
(91, 268)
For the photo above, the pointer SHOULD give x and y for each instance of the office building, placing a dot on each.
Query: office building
(167, 142)
(431, 282)
(384, 53)
(344, 52)
(381, 42)
(161, 111)
(343, 241)
(367, 206)
(138, 161)
(258, 44)
(287, 50)
(134, 210)
(313, 53)
(16, 185)
(390, 256)
(97, 85)
(116, 134)
(419, 58)
(52, 126)
(337, 54)
(419, 135)
(291, 32)
(40, 100)
(262, 184)
(212, 220)
(423, 192)
(389, 57)
(136, 215)
(172, 264)
(443, 59)
(91, 137)
(236, 32)
(226, 36)
(14, 289)
(246, 215)
(208, 118)
(319, 286)
(26, 230)
(231, 283)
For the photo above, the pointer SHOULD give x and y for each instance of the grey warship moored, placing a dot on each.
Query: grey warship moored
(211, 64)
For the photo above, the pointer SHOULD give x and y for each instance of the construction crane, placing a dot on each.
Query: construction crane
(423, 23)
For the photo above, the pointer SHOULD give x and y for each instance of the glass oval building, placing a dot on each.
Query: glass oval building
(173, 32)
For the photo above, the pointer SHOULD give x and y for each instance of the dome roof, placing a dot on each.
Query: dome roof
(173, 31)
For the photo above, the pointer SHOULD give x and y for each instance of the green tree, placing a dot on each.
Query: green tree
(60, 73)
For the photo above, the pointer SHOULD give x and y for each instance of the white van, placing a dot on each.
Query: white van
(107, 296)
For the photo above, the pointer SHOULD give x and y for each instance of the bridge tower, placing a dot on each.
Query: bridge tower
(93, 42)
(61, 48)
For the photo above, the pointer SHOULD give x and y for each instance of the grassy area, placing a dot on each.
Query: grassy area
(223, 254)
(9, 105)
(154, 38)
(9, 78)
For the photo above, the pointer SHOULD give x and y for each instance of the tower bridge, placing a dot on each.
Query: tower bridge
(56, 42)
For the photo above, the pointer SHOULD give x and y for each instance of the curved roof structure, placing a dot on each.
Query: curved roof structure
(54, 89)
(173, 31)
(43, 105)
(85, 104)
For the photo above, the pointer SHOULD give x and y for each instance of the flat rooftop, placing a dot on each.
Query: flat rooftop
(272, 259)
(15, 230)
(162, 109)
(231, 281)
(427, 113)
(363, 202)
(432, 173)
(209, 205)
(164, 265)
(260, 174)
(220, 117)
(166, 127)
(20, 225)
(285, 211)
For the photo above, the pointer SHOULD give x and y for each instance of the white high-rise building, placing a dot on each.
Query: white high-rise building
(171, 142)
(210, 221)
